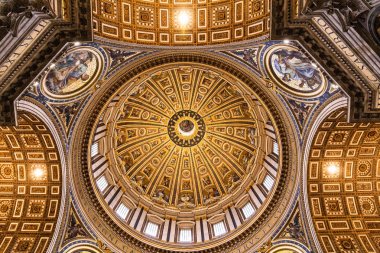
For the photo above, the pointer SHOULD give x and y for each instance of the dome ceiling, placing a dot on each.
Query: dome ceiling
(183, 147)
(185, 138)
(180, 22)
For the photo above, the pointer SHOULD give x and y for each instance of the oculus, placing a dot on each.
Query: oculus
(73, 73)
(294, 71)
(186, 128)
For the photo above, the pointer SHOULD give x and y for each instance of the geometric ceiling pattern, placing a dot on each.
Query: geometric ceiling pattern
(30, 186)
(207, 142)
(180, 22)
(343, 185)
(185, 146)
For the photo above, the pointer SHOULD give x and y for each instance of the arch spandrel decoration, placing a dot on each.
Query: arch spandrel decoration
(73, 73)
(342, 184)
(30, 185)
(179, 197)
(294, 72)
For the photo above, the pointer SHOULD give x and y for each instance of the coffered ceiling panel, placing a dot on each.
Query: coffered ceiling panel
(30, 186)
(343, 185)
(180, 22)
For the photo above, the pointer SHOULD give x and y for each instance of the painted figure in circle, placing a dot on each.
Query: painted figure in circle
(186, 125)
(294, 66)
(72, 69)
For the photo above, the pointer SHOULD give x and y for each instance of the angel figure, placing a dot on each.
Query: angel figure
(75, 229)
(103, 247)
(187, 201)
(138, 182)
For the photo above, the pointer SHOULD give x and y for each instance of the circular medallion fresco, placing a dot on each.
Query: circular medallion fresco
(294, 71)
(73, 73)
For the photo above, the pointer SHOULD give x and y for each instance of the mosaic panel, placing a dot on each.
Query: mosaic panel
(73, 73)
(294, 71)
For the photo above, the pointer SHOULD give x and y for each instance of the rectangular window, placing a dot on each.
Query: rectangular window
(151, 229)
(248, 210)
(185, 235)
(94, 149)
(275, 148)
(122, 211)
(102, 183)
(268, 182)
(219, 228)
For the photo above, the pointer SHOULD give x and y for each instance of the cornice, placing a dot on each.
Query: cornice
(44, 47)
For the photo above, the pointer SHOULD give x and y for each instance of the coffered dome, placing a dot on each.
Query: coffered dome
(184, 138)
(184, 155)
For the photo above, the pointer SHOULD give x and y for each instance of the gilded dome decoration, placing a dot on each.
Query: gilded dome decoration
(184, 137)
(204, 126)
(185, 144)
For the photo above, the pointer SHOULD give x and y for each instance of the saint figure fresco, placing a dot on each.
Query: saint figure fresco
(296, 70)
(71, 72)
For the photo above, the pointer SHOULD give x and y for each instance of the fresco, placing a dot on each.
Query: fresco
(294, 71)
(72, 73)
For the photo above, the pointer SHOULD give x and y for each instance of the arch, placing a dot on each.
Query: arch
(323, 113)
(35, 109)
(31, 185)
(341, 184)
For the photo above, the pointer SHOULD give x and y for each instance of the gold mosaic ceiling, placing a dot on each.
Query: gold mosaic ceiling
(343, 185)
(30, 186)
(180, 22)
(185, 138)
(183, 141)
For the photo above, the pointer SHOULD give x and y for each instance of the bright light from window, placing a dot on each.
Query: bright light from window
(102, 183)
(275, 148)
(185, 235)
(219, 228)
(94, 149)
(151, 229)
(38, 173)
(248, 210)
(333, 169)
(268, 182)
(183, 18)
(122, 210)
(286, 41)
